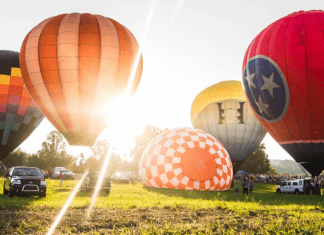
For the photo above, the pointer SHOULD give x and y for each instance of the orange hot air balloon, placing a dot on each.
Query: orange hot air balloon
(186, 158)
(73, 65)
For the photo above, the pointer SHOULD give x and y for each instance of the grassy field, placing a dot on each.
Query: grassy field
(135, 209)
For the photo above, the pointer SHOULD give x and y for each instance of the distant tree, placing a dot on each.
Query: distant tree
(66, 160)
(93, 164)
(53, 151)
(16, 158)
(115, 164)
(258, 162)
(100, 149)
(142, 141)
(35, 161)
(272, 171)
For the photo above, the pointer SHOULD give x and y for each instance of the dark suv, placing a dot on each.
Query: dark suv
(24, 180)
(91, 180)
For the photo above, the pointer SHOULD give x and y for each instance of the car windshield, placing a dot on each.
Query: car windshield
(93, 175)
(27, 172)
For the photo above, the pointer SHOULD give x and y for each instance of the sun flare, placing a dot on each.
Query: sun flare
(125, 124)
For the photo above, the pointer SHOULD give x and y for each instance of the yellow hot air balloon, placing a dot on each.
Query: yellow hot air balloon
(222, 111)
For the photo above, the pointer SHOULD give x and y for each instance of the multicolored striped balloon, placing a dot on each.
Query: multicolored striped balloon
(186, 158)
(73, 65)
(19, 115)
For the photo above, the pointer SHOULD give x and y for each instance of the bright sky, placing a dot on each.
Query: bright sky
(187, 45)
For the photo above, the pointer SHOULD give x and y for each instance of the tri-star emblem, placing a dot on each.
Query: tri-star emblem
(266, 88)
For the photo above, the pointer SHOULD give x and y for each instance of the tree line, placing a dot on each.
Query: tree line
(53, 153)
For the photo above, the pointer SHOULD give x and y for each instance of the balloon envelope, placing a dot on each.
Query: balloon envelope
(19, 115)
(283, 77)
(185, 158)
(73, 65)
(222, 111)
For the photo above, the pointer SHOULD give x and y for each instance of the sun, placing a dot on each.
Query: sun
(125, 124)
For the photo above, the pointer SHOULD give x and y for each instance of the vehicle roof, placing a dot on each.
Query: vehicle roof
(293, 180)
(31, 167)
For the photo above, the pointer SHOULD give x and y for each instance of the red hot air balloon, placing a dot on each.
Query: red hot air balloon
(283, 77)
(186, 158)
(19, 115)
(73, 65)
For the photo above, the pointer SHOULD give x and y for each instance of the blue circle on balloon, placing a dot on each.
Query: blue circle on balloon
(266, 88)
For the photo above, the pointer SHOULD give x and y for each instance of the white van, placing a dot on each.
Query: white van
(57, 171)
(293, 186)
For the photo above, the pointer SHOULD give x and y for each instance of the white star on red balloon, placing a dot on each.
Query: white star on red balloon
(262, 106)
(249, 78)
(268, 84)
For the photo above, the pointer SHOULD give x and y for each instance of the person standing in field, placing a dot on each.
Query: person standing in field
(236, 187)
(61, 178)
(251, 187)
(245, 184)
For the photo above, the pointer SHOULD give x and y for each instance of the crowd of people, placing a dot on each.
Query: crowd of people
(276, 179)
(2, 169)
(246, 181)
(247, 186)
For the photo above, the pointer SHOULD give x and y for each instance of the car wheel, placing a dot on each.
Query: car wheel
(11, 194)
(5, 191)
(297, 192)
(42, 194)
(278, 191)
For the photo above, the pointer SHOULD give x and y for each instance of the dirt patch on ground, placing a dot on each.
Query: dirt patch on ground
(133, 221)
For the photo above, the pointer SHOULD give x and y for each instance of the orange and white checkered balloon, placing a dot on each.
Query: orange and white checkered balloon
(186, 158)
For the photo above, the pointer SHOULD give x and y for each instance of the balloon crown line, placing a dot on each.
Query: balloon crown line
(303, 11)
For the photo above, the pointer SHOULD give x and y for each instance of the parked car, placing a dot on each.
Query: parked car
(120, 178)
(90, 183)
(56, 172)
(260, 179)
(299, 186)
(23, 180)
(68, 174)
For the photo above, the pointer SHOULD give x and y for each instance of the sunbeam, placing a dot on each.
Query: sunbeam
(100, 180)
(66, 205)
(141, 46)
(175, 13)
(128, 91)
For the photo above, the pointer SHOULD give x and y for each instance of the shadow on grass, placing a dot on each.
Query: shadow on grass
(264, 194)
(16, 201)
(89, 194)
(62, 190)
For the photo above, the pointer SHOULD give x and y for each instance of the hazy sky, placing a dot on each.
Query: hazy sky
(187, 46)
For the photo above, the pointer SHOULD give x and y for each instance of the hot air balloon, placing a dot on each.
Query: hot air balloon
(19, 115)
(283, 77)
(73, 65)
(185, 158)
(222, 111)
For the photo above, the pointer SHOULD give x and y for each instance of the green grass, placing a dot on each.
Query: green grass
(128, 196)
(264, 212)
